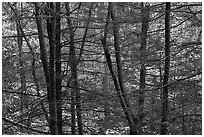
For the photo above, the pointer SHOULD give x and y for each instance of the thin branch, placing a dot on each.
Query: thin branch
(197, 115)
(24, 126)
(14, 92)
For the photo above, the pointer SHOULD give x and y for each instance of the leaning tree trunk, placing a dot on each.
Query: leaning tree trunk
(166, 71)
(118, 85)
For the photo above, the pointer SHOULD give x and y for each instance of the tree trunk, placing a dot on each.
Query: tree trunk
(52, 92)
(85, 34)
(73, 95)
(21, 66)
(76, 97)
(143, 56)
(78, 107)
(35, 80)
(121, 95)
(105, 90)
(58, 69)
(22, 72)
(118, 59)
(43, 53)
(166, 71)
(24, 102)
(183, 112)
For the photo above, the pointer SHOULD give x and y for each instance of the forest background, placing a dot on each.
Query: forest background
(102, 68)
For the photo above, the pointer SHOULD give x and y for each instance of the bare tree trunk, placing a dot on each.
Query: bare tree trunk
(78, 108)
(73, 94)
(21, 66)
(119, 86)
(118, 59)
(35, 80)
(106, 105)
(166, 71)
(183, 112)
(76, 97)
(58, 70)
(193, 123)
(52, 92)
(43, 53)
(24, 104)
(143, 56)
(22, 72)
(78, 94)
(85, 34)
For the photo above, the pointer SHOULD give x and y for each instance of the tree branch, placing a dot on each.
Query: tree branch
(24, 126)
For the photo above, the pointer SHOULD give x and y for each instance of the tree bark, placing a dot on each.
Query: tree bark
(107, 109)
(183, 112)
(24, 102)
(43, 53)
(35, 80)
(166, 71)
(58, 69)
(52, 92)
(85, 34)
(78, 94)
(22, 73)
(24, 99)
(121, 94)
(143, 56)
(75, 93)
